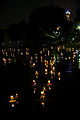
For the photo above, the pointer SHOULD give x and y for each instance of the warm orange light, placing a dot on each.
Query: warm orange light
(51, 72)
(58, 73)
(12, 97)
(12, 101)
(42, 103)
(36, 73)
(58, 28)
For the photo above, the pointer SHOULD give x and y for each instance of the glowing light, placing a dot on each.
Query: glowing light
(42, 103)
(58, 73)
(4, 60)
(34, 84)
(78, 27)
(46, 71)
(63, 47)
(44, 88)
(12, 97)
(34, 81)
(46, 66)
(51, 72)
(12, 105)
(51, 47)
(45, 61)
(42, 92)
(49, 88)
(40, 52)
(58, 49)
(33, 65)
(34, 90)
(12, 101)
(48, 53)
(31, 58)
(48, 81)
(58, 27)
(73, 53)
(16, 94)
(36, 73)
(68, 16)
(21, 53)
(73, 60)
(69, 57)
(61, 54)
(79, 59)
(59, 78)
(27, 53)
(67, 12)
(65, 58)
(43, 49)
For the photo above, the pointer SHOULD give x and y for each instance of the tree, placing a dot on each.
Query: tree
(77, 19)
(45, 20)
(6, 40)
(47, 17)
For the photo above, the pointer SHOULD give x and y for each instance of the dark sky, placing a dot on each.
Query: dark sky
(17, 10)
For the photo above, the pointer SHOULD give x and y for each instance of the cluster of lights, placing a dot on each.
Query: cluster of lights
(13, 100)
(34, 86)
(49, 62)
(43, 96)
(49, 68)
(67, 12)
(9, 54)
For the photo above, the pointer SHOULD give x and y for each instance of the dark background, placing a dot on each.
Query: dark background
(18, 10)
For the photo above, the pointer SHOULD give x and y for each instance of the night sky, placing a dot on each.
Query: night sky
(17, 10)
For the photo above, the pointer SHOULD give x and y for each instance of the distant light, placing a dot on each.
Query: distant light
(42, 92)
(16, 94)
(42, 103)
(78, 27)
(12, 105)
(58, 27)
(67, 12)
(69, 71)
